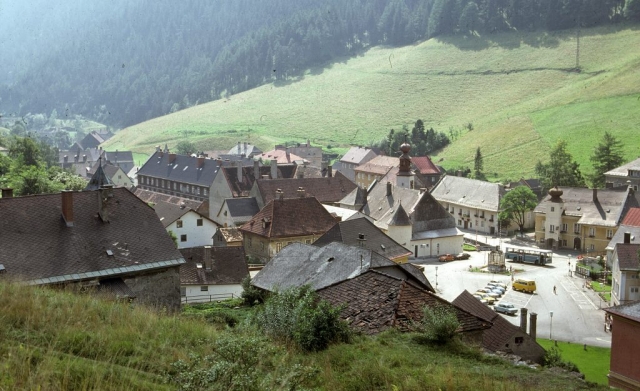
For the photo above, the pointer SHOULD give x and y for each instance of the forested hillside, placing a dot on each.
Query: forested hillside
(133, 60)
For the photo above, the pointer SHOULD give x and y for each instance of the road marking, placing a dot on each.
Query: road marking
(582, 300)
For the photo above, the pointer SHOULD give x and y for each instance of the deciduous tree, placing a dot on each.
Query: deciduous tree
(515, 205)
(561, 170)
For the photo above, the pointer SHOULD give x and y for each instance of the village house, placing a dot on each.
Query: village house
(282, 156)
(374, 170)
(237, 181)
(474, 204)
(212, 274)
(178, 175)
(313, 155)
(625, 175)
(105, 240)
(227, 237)
(426, 172)
(191, 229)
(630, 225)
(503, 336)
(354, 157)
(234, 212)
(363, 233)
(284, 221)
(579, 218)
(625, 273)
(244, 149)
(625, 344)
(115, 174)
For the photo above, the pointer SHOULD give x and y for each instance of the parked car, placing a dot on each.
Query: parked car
(482, 299)
(488, 292)
(462, 256)
(498, 283)
(446, 258)
(506, 308)
(497, 291)
(490, 300)
(495, 288)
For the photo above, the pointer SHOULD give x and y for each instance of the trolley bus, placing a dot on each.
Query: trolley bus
(535, 256)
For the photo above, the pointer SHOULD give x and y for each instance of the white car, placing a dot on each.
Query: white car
(498, 283)
(506, 308)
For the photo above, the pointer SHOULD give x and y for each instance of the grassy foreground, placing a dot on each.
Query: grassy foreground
(519, 90)
(53, 340)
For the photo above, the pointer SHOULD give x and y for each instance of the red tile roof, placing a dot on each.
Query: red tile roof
(425, 165)
(632, 218)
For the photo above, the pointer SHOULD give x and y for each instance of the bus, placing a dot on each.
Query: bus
(535, 256)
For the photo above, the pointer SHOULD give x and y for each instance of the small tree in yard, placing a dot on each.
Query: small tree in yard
(515, 205)
(250, 294)
(439, 324)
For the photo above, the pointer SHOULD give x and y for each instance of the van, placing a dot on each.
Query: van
(524, 285)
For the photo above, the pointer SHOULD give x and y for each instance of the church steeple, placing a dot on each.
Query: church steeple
(99, 178)
(405, 176)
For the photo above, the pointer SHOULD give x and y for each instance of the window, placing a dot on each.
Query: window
(609, 233)
(565, 226)
(576, 228)
(119, 176)
(634, 290)
(198, 191)
(279, 246)
(551, 227)
(592, 247)
(183, 238)
(552, 208)
(592, 232)
(459, 222)
(564, 243)
(307, 241)
(204, 289)
(634, 276)
(179, 223)
(199, 222)
(482, 223)
(519, 340)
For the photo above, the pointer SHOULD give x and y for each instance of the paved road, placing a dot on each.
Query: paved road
(577, 313)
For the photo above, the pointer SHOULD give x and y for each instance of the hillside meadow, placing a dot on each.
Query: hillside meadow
(57, 340)
(520, 91)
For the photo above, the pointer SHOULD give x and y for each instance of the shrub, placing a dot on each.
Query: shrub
(298, 316)
(251, 294)
(439, 324)
(552, 358)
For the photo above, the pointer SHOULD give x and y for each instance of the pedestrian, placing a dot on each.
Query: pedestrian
(554, 290)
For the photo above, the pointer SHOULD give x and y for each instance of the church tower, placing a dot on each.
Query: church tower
(405, 175)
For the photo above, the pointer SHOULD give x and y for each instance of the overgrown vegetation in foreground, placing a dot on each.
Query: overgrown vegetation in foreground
(53, 340)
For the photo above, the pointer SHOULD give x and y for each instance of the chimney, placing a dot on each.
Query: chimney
(84, 158)
(105, 193)
(274, 169)
(279, 195)
(523, 319)
(206, 258)
(533, 325)
(300, 172)
(172, 157)
(158, 148)
(361, 240)
(245, 147)
(67, 207)
(595, 195)
(66, 158)
(301, 192)
(389, 193)
(323, 167)
(239, 170)
(256, 170)
(308, 143)
(200, 161)
(627, 235)
(239, 148)
(7, 192)
(288, 154)
(329, 171)
(219, 160)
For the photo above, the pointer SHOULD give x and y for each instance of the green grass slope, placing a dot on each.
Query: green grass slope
(518, 90)
(52, 340)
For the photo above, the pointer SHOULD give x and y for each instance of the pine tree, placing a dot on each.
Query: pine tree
(607, 155)
(478, 165)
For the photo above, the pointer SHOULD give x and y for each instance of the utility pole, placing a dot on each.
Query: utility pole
(578, 38)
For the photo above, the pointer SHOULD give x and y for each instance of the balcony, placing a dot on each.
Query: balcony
(491, 220)
(459, 213)
(563, 232)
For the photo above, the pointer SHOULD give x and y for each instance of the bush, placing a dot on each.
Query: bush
(298, 316)
(250, 294)
(552, 358)
(439, 324)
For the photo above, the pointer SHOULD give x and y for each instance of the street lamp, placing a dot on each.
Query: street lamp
(550, 324)
(436, 279)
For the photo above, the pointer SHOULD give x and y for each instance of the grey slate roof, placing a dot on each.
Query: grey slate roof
(618, 237)
(623, 170)
(229, 266)
(606, 211)
(400, 217)
(183, 169)
(358, 196)
(168, 213)
(470, 193)
(630, 311)
(358, 155)
(37, 246)
(152, 197)
(242, 207)
(99, 179)
(375, 240)
(300, 264)
(244, 149)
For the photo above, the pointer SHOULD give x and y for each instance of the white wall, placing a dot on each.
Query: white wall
(194, 294)
(196, 236)
(438, 246)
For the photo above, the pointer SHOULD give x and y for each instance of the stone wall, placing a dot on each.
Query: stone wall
(160, 289)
